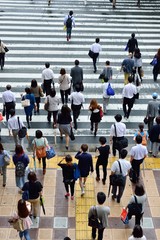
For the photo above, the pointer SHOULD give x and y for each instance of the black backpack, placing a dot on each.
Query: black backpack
(20, 169)
(69, 22)
(135, 208)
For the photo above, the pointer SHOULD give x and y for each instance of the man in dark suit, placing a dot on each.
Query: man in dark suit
(77, 75)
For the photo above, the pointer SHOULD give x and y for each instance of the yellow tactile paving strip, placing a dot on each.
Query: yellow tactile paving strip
(82, 204)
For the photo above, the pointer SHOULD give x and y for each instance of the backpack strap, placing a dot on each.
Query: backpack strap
(120, 167)
(18, 123)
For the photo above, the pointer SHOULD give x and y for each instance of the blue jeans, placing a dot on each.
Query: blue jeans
(25, 233)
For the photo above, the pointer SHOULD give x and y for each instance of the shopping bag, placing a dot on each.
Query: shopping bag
(124, 216)
(50, 153)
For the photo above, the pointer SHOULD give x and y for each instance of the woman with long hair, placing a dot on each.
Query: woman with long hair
(34, 187)
(28, 109)
(21, 161)
(53, 106)
(3, 165)
(22, 214)
(138, 62)
(95, 118)
(64, 83)
(156, 68)
(38, 93)
(65, 123)
(139, 197)
(40, 144)
(137, 233)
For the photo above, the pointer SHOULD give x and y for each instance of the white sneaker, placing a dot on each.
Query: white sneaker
(82, 193)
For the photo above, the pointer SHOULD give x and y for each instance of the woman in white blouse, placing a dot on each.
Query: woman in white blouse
(64, 83)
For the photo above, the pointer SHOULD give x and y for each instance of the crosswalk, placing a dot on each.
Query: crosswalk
(33, 32)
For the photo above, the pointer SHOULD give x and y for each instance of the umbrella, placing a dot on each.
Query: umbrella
(42, 204)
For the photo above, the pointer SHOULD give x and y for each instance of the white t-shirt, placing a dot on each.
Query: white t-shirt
(125, 166)
(139, 151)
(133, 238)
(120, 128)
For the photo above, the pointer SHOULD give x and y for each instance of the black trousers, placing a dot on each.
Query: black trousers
(120, 190)
(137, 218)
(43, 162)
(136, 166)
(114, 145)
(127, 102)
(9, 106)
(76, 112)
(64, 96)
(104, 166)
(47, 86)
(71, 187)
(54, 116)
(2, 60)
(95, 56)
(100, 233)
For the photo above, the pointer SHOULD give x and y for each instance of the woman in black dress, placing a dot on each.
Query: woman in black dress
(95, 115)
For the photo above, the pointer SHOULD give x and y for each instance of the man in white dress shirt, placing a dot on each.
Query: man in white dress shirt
(128, 94)
(8, 98)
(117, 134)
(47, 78)
(95, 48)
(77, 100)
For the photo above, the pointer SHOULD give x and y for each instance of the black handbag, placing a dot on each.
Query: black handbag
(6, 49)
(4, 111)
(117, 179)
(135, 208)
(90, 54)
(72, 137)
(46, 105)
(93, 220)
(22, 131)
(145, 120)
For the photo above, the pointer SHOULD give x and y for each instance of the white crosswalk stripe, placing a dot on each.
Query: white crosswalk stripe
(34, 34)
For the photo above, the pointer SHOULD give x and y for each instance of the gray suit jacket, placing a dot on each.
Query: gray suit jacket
(76, 74)
(152, 109)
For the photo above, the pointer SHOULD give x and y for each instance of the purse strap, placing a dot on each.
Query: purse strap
(135, 198)
(18, 123)
(115, 130)
(120, 167)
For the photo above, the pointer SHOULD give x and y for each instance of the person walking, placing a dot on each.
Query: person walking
(128, 95)
(115, 169)
(138, 62)
(152, 110)
(69, 21)
(154, 136)
(114, 4)
(47, 78)
(77, 100)
(77, 75)
(120, 130)
(2, 54)
(65, 85)
(85, 165)
(23, 212)
(137, 233)
(95, 48)
(37, 92)
(102, 213)
(156, 68)
(138, 154)
(107, 71)
(141, 198)
(144, 134)
(14, 124)
(32, 105)
(3, 165)
(68, 175)
(132, 44)
(21, 161)
(103, 153)
(34, 188)
(9, 101)
(95, 117)
(53, 106)
(127, 67)
(65, 123)
(49, 2)
(40, 144)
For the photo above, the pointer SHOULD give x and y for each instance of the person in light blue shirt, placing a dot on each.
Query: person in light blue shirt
(3, 165)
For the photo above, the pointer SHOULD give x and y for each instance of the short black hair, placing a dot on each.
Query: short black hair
(123, 153)
(76, 62)
(137, 231)
(139, 190)
(97, 40)
(107, 62)
(12, 112)
(66, 238)
(28, 90)
(77, 88)
(71, 13)
(47, 64)
(102, 140)
(118, 117)
(130, 79)
(32, 176)
(68, 158)
(133, 35)
(8, 87)
(138, 139)
(101, 197)
(39, 134)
